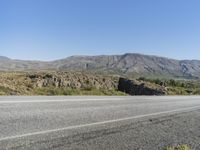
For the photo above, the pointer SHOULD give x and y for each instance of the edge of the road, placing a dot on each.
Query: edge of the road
(24, 139)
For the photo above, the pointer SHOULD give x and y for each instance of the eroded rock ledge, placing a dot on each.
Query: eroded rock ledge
(134, 87)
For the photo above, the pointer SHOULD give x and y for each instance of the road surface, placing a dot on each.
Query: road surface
(90, 122)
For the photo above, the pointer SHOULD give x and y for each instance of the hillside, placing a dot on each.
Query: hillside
(78, 83)
(132, 65)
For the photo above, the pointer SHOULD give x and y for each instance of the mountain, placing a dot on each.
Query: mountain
(129, 64)
(4, 58)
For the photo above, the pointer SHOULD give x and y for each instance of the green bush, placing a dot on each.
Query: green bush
(5, 90)
(177, 87)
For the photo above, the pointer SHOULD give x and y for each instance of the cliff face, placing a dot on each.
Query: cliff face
(134, 87)
(27, 83)
(71, 80)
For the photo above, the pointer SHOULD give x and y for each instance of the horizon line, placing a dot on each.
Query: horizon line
(93, 55)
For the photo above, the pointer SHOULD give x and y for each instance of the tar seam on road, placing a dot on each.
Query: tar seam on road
(101, 123)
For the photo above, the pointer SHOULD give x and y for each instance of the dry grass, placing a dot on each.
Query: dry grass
(71, 91)
(179, 147)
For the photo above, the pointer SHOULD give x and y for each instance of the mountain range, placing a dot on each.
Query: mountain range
(130, 64)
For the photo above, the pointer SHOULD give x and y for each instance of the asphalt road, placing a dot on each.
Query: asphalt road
(96, 122)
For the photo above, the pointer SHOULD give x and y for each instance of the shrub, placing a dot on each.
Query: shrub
(70, 91)
(179, 147)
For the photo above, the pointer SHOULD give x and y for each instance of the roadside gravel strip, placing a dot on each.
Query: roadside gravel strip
(113, 123)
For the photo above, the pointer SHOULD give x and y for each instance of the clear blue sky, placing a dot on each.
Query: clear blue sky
(51, 29)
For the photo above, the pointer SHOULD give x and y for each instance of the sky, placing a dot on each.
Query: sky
(54, 29)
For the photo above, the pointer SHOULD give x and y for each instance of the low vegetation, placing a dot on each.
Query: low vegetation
(70, 91)
(177, 87)
(5, 91)
(179, 147)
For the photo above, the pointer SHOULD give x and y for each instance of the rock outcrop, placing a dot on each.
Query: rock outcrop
(134, 87)
(26, 83)
(72, 80)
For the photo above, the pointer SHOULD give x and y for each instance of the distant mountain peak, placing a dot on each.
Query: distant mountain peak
(4, 58)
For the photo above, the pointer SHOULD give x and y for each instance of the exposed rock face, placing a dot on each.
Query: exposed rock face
(72, 80)
(25, 83)
(134, 87)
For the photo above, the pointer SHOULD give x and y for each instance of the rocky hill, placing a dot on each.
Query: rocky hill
(126, 65)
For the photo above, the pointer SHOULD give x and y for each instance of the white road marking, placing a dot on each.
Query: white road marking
(100, 123)
(96, 99)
